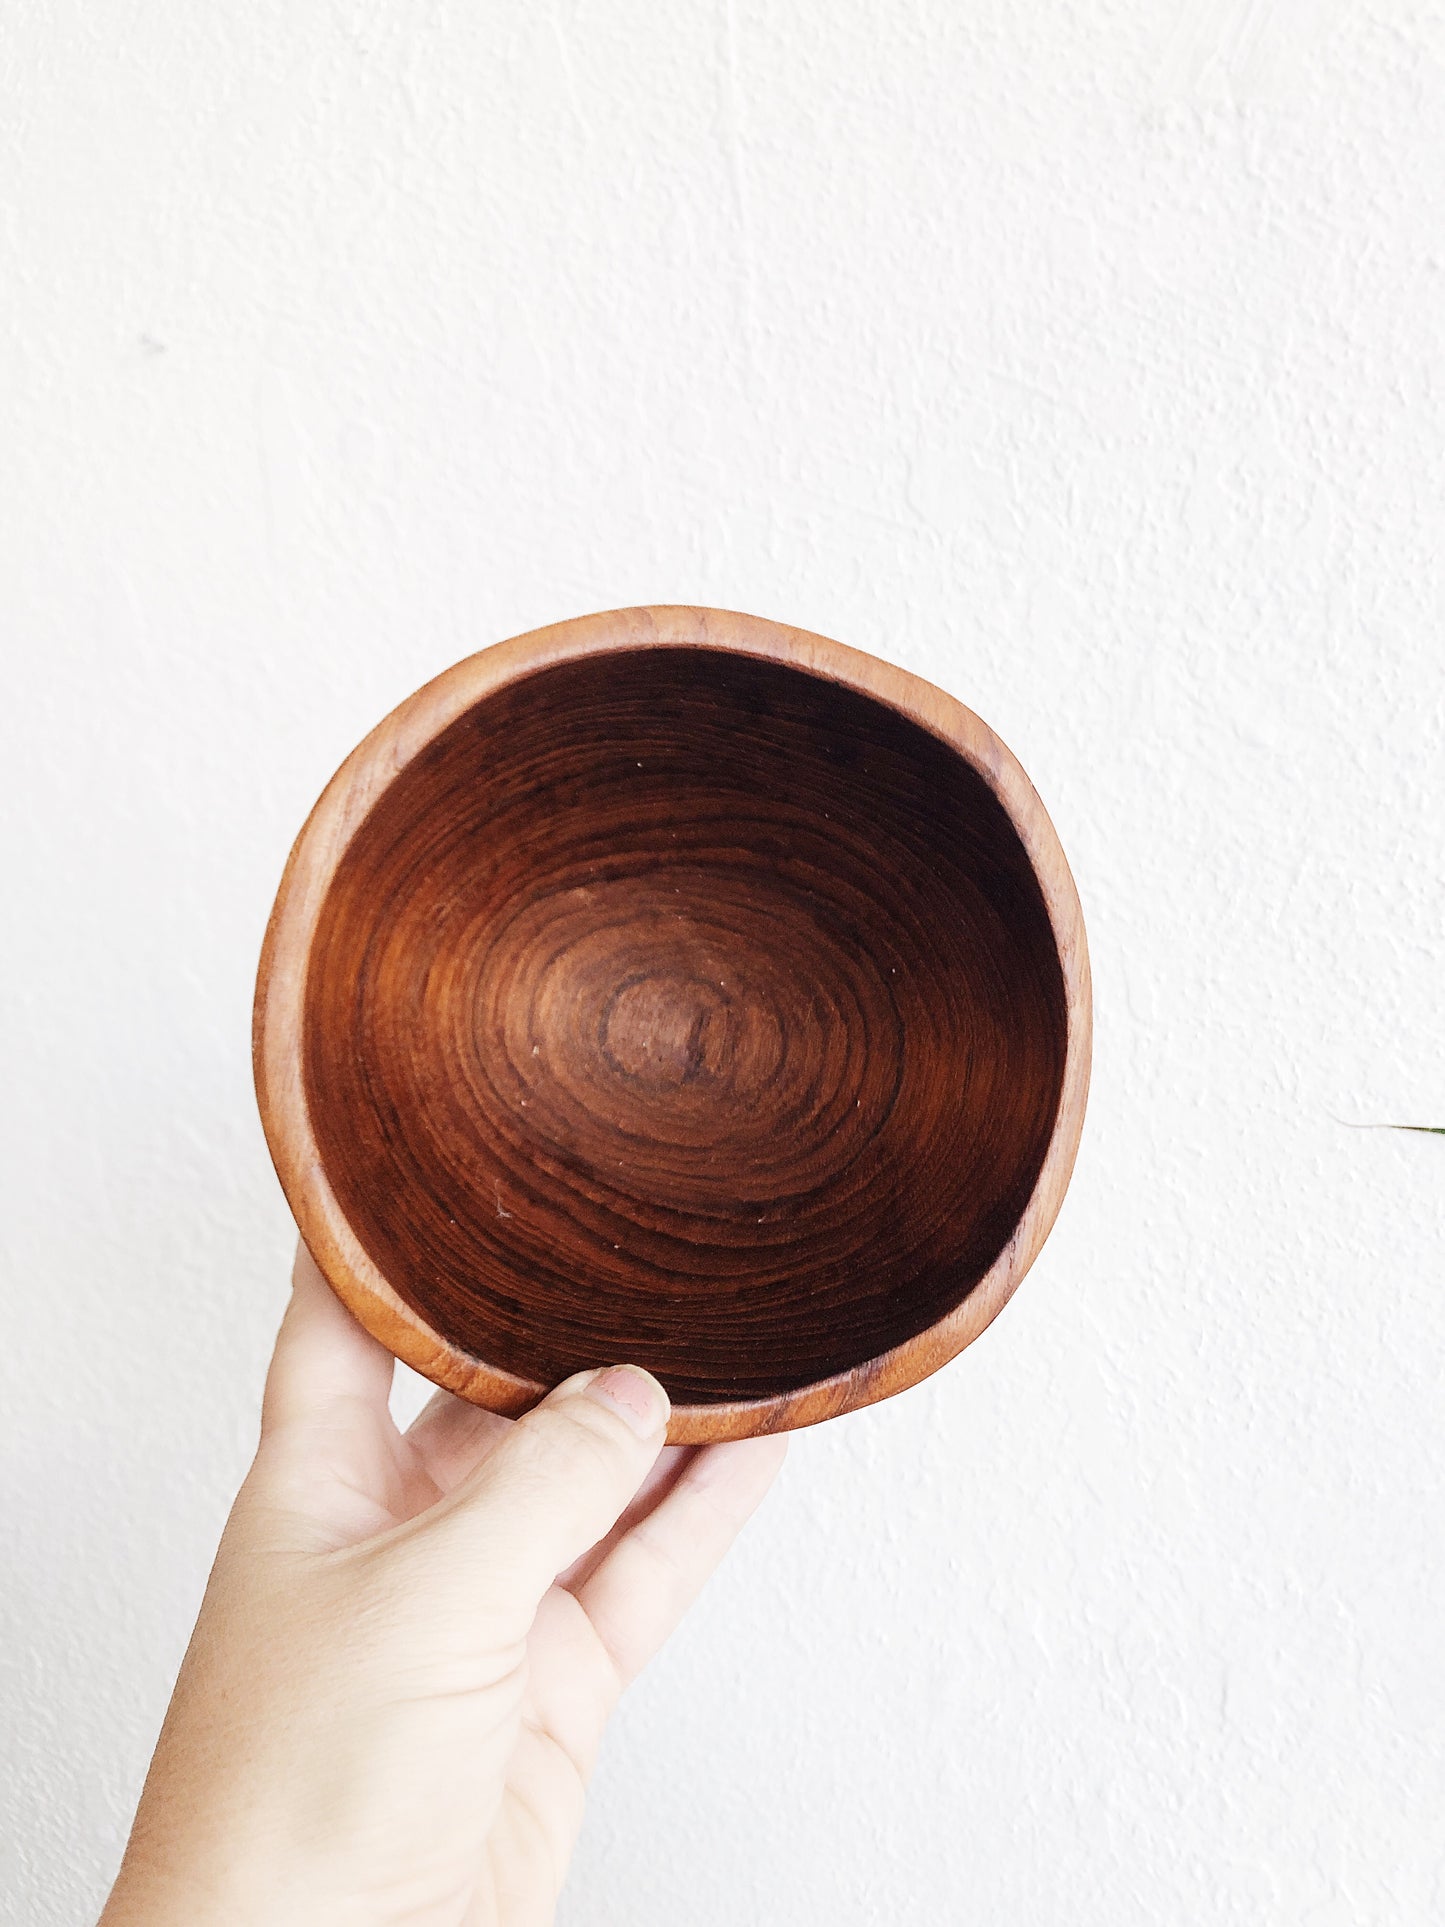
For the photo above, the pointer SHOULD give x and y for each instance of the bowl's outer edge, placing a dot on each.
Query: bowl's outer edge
(344, 804)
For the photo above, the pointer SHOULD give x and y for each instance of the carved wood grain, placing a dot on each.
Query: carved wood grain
(674, 986)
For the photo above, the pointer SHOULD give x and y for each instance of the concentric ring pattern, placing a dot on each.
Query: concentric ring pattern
(683, 1006)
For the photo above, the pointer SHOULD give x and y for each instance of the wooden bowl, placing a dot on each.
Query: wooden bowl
(675, 987)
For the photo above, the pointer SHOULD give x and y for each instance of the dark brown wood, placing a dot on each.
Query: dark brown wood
(676, 987)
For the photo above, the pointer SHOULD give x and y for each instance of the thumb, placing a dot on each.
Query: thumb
(555, 1484)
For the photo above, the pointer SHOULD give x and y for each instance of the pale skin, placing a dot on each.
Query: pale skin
(411, 1642)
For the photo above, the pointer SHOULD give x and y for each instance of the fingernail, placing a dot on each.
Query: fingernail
(635, 1395)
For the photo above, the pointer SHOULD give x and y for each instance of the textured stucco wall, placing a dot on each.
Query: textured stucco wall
(1084, 358)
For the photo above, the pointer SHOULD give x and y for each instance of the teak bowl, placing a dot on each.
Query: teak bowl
(675, 987)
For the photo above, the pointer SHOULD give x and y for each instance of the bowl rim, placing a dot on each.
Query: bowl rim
(346, 802)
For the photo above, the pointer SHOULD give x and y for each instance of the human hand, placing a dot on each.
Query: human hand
(410, 1643)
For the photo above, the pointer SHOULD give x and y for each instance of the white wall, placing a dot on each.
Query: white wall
(1086, 359)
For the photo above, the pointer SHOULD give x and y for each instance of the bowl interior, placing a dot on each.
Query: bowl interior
(681, 1006)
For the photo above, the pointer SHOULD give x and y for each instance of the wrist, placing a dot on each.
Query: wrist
(149, 1897)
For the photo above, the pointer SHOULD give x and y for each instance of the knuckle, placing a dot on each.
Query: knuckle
(581, 1431)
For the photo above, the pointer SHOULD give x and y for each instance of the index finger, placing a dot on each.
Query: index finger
(323, 1359)
(646, 1583)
